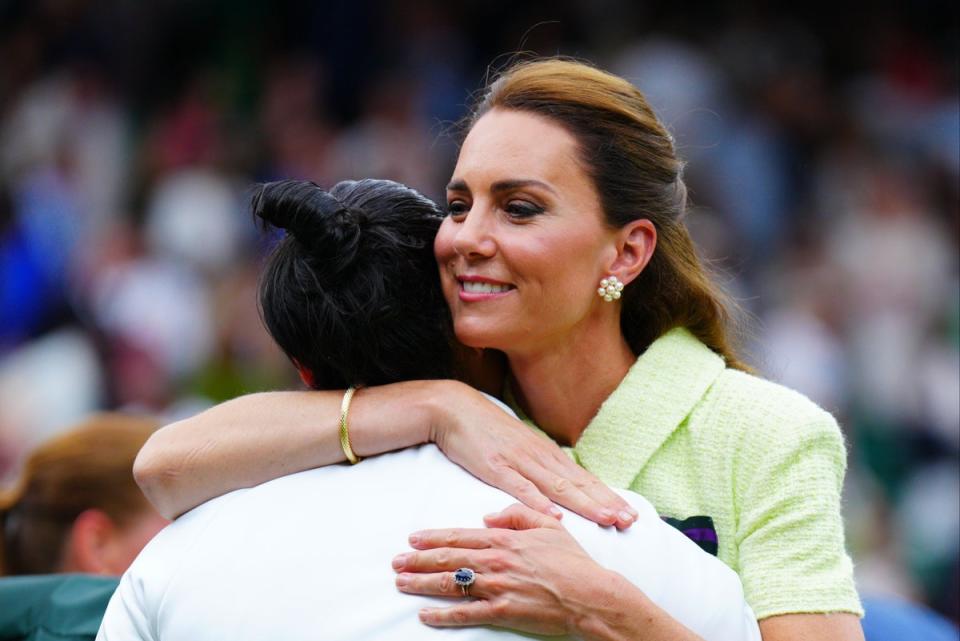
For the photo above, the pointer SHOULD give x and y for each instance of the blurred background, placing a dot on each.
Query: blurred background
(823, 167)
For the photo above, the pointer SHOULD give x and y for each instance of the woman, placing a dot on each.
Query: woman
(565, 249)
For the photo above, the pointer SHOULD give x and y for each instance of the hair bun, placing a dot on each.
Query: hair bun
(312, 215)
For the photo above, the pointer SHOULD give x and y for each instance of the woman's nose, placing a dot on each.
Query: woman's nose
(474, 237)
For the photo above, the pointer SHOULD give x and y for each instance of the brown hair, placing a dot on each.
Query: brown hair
(90, 466)
(630, 157)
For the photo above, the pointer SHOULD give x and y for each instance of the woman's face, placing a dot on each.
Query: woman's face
(524, 247)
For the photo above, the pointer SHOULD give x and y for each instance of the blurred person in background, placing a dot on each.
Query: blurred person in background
(74, 521)
(76, 506)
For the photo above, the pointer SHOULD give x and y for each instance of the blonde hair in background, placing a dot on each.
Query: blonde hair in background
(89, 466)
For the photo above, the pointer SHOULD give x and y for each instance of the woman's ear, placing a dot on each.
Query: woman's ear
(635, 243)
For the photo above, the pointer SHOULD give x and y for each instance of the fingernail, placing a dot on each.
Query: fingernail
(633, 511)
(403, 580)
(606, 515)
(400, 561)
(555, 511)
(626, 516)
(414, 538)
(492, 515)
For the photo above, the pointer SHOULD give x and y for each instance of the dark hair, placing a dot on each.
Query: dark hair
(90, 466)
(352, 293)
(630, 157)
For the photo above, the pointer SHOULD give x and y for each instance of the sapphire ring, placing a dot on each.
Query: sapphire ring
(464, 577)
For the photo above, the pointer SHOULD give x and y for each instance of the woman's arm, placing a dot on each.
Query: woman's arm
(255, 438)
(789, 481)
(533, 576)
(259, 437)
(838, 626)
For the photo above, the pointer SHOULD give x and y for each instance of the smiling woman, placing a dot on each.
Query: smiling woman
(565, 180)
(524, 216)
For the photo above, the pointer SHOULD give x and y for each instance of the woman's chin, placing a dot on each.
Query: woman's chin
(479, 335)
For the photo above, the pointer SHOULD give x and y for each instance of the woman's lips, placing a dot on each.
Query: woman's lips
(476, 288)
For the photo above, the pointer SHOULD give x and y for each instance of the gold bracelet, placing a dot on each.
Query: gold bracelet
(344, 432)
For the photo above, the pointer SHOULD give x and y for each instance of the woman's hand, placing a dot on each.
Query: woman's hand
(503, 452)
(531, 575)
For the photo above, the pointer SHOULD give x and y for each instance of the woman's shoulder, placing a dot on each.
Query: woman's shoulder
(762, 413)
(787, 465)
(679, 365)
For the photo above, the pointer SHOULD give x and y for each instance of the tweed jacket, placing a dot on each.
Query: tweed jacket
(750, 469)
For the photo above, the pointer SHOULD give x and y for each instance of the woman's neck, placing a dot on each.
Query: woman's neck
(563, 387)
(483, 369)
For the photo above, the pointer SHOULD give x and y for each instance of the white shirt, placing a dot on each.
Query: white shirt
(308, 556)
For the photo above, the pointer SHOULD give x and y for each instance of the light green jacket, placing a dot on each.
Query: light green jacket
(764, 462)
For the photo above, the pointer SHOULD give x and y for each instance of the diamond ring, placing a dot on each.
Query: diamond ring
(464, 577)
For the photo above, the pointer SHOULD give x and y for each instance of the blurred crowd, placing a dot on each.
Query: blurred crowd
(823, 165)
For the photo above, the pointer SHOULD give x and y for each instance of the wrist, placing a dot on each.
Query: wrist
(439, 400)
(624, 612)
(616, 609)
(391, 417)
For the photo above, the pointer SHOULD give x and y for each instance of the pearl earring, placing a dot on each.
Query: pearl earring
(610, 289)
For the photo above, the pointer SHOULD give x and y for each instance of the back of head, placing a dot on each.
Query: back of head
(630, 157)
(352, 292)
(90, 466)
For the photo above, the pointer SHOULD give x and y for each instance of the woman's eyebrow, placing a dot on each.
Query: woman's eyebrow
(458, 185)
(508, 185)
(502, 185)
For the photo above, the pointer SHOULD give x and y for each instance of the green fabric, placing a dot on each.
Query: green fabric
(53, 607)
(765, 463)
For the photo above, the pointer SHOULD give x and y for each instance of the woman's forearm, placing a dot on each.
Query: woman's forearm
(620, 612)
(256, 438)
(259, 437)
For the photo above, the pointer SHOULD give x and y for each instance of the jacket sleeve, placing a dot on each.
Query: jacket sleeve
(789, 531)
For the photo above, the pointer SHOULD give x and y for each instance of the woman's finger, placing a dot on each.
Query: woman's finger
(441, 560)
(479, 612)
(529, 467)
(557, 487)
(602, 493)
(601, 504)
(474, 539)
(543, 488)
(519, 517)
(525, 490)
(442, 584)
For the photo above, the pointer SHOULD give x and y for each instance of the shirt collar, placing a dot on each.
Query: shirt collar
(657, 394)
(659, 391)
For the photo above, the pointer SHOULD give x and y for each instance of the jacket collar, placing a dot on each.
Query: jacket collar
(657, 394)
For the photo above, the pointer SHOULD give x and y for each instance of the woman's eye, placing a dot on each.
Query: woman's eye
(522, 209)
(457, 208)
